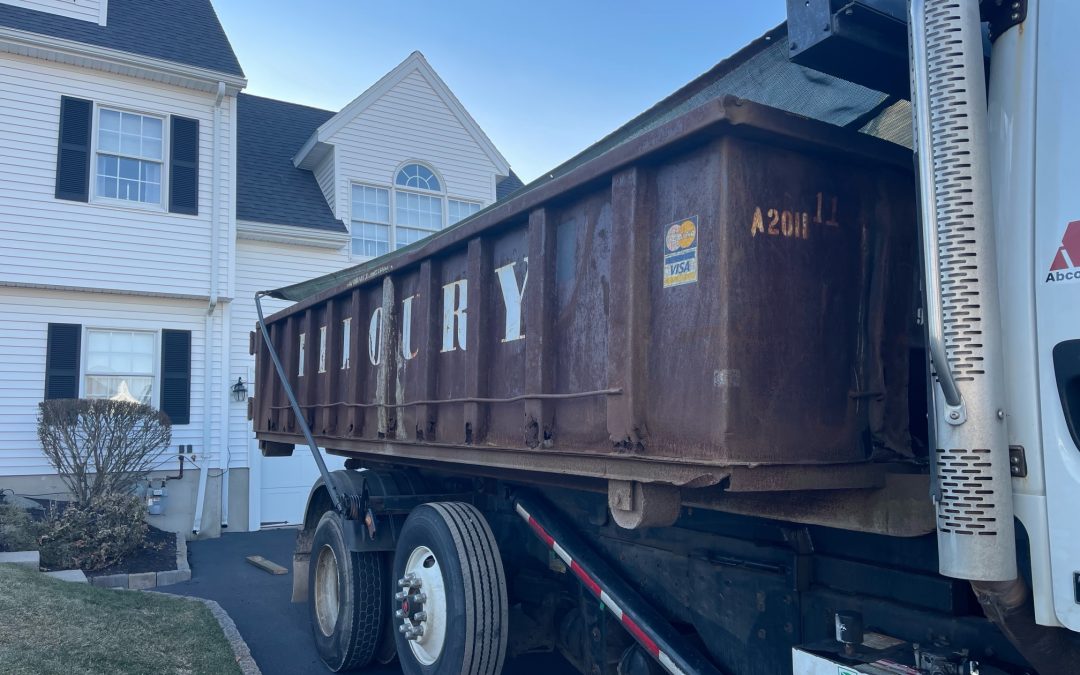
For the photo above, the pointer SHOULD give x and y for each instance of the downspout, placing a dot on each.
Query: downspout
(208, 385)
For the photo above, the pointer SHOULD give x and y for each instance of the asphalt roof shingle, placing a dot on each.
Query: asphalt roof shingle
(269, 188)
(182, 31)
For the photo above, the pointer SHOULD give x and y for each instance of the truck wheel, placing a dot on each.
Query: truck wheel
(346, 598)
(451, 612)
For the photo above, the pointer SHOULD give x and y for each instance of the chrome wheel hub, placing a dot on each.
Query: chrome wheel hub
(326, 590)
(421, 605)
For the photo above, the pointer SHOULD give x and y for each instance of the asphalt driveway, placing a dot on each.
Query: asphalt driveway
(276, 630)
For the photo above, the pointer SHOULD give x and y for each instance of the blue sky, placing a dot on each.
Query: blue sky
(543, 79)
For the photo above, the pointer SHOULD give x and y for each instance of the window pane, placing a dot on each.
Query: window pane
(459, 210)
(407, 235)
(129, 168)
(110, 119)
(130, 134)
(415, 210)
(124, 388)
(106, 187)
(371, 204)
(109, 141)
(140, 180)
(370, 239)
(151, 147)
(151, 127)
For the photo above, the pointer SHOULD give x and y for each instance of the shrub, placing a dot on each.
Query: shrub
(95, 535)
(18, 531)
(99, 446)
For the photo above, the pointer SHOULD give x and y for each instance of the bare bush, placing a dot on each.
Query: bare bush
(101, 447)
(93, 536)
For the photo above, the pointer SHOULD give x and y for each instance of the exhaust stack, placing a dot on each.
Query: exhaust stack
(970, 458)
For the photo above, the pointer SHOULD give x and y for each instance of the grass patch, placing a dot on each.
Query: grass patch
(49, 626)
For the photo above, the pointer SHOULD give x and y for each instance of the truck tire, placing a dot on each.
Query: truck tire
(347, 600)
(451, 612)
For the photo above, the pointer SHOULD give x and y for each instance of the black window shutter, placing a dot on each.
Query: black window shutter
(73, 149)
(62, 361)
(176, 375)
(184, 166)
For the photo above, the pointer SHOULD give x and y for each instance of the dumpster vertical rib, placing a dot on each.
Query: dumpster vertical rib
(384, 388)
(329, 381)
(287, 338)
(306, 390)
(477, 330)
(628, 313)
(427, 350)
(354, 415)
(539, 302)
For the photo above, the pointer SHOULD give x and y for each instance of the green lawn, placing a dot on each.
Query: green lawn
(49, 626)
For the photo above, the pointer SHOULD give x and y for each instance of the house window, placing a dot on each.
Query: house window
(417, 176)
(129, 156)
(370, 221)
(414, 207)
(457, 210)
(416, 216)
(119, 365)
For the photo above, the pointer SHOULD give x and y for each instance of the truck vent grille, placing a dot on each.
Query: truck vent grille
(967, 500)
(950, 102)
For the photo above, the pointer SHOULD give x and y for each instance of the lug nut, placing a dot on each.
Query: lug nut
(418, 598)
(420, 616)
(399, 614)
(400, 595)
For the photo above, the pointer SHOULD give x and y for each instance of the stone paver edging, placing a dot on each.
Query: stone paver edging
(140, 581)
(232, 634)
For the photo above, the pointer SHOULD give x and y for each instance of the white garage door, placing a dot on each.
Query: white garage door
(286, 483)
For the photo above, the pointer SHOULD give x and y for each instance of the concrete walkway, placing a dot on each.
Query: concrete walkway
(275, 629)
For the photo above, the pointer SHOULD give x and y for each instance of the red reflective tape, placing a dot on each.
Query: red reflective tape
(585, 578)
(640, 636)
(541, 532)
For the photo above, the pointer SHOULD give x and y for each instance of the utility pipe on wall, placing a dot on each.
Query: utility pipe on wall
(208, 384)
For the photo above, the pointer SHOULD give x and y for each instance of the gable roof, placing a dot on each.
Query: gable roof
(180, 31)
(415, 62)
(269, 189)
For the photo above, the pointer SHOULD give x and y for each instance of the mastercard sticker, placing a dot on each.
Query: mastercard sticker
(680, 252)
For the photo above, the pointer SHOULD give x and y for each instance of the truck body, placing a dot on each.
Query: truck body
(742, 372)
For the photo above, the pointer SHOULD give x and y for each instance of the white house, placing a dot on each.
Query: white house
(144, 200)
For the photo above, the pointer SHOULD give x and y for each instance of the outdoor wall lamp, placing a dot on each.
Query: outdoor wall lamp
(239, 390)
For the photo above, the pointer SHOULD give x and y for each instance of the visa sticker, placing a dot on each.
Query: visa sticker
(680, 252)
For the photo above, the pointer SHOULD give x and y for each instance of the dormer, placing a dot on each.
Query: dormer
(403, 160)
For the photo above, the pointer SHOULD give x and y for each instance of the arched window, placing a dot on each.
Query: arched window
(418, 176)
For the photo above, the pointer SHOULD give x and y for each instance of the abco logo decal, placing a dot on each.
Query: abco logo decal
(1066, 264)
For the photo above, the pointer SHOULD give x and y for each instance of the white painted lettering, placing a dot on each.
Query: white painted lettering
(322, 349)
(346, 342)
(374, 345)
(455, 301)
(512, 296)
(406, 328)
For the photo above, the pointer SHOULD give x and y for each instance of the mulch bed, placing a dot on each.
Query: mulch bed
(158, 554)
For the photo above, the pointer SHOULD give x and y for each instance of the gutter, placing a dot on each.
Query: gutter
(208, 374)
(71, 52)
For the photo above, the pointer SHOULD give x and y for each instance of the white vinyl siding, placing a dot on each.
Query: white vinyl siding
(411, 122)
(101, 246)
(324, 176)
(23, 338)
(85, 10)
